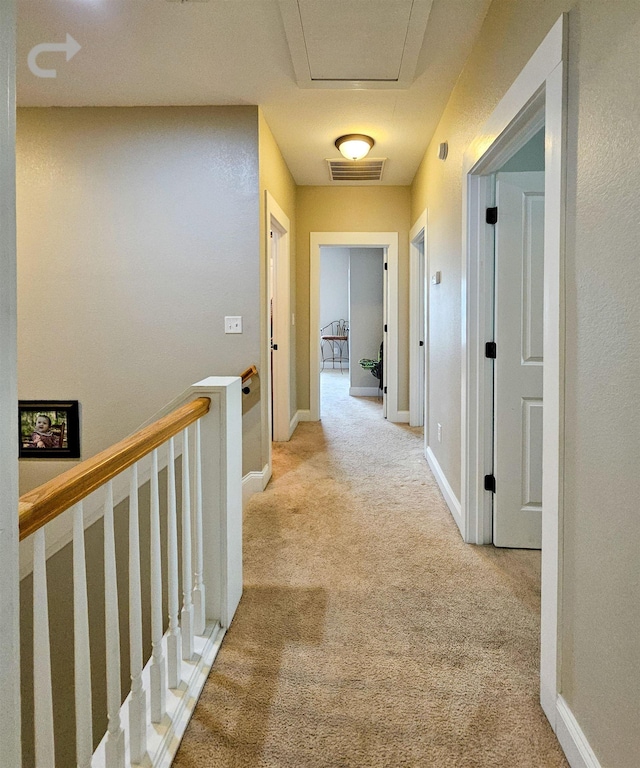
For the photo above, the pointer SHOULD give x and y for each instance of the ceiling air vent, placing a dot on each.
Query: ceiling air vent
(360, 170)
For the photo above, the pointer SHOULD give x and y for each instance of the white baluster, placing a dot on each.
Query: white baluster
(186, 617)
(174, 641)
(42, 697)
(115, 734)
(138, 701)
(198, 589)
(158, 674)
(81, 648)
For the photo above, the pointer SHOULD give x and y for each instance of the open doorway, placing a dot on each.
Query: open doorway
(352, 319)
(387, 242)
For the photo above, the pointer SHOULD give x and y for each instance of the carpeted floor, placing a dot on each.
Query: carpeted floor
(369, 635)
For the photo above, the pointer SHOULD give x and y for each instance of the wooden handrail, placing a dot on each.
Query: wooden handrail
(246, 375)
(43, 504)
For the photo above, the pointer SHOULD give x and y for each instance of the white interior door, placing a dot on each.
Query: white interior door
(279, 346)
(417, 332)
(422, 316)
(279, 319)
(385, 333)
(519, 251)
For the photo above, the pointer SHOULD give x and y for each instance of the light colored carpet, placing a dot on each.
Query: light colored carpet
(369, 635)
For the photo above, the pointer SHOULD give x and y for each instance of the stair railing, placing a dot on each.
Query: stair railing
(147, 727)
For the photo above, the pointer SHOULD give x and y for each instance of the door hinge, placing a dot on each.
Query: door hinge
(385, 327)
(386, 266)
(274, 347)
(271, 233)
(490, 350)
(385, 390)
(490, 483)
(492, 215)
(421, 343)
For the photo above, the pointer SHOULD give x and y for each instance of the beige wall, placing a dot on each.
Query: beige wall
(600, 651)
(275, 178)
(352, 209)
(137, 234)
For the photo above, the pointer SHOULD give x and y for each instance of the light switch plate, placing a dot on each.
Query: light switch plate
(233, 325)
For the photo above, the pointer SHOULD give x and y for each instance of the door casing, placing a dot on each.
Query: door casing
(388, 241)
(10, 744)
(537, 97)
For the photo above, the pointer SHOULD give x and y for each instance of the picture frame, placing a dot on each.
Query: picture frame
(49, 429)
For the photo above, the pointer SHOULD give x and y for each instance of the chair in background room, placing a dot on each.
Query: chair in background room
(334, 343)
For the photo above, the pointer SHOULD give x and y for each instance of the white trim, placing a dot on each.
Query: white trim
(477, 408)
(517, 114)
(553, 385)
(254, 482)
(402, 417)
(445, 488)
(304, 416)
(572, 739)
(10, 746)
(418, 361)
(293, 424)
(388, 240)
(278, 221)
(364, 391)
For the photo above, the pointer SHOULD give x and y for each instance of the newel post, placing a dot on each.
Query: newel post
(221, 443)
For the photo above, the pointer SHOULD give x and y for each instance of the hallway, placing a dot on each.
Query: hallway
(369, 635)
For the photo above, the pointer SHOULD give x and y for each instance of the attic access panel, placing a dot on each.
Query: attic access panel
(355, 43)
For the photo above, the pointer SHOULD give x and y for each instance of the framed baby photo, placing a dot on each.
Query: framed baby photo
(49, 429)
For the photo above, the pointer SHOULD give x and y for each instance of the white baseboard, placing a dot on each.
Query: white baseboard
(447, 491)
(364, 391)
(304, 415)
(572, 739)
(294, 423)
(254, 482)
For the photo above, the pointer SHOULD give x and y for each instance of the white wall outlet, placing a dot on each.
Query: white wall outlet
(439, 433)
(435, 278)
(233, 325)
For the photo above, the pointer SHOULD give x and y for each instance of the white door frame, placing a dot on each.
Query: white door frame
(278, 223)
(538, 93)
(10, 746)
(419, 325)
(388, 240)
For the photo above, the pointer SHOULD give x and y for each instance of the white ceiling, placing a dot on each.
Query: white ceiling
(370, 43)
(156, 52)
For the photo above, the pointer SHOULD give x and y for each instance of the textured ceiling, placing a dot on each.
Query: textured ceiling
(154, 52)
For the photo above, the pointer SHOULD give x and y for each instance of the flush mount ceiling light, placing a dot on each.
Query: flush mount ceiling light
(354, 146)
